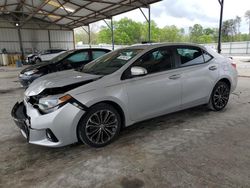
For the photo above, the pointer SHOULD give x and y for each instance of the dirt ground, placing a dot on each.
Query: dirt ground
(191, 148)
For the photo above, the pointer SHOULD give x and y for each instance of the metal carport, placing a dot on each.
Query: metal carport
(64, 14)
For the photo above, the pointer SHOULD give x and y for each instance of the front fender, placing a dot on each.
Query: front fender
(115, 94)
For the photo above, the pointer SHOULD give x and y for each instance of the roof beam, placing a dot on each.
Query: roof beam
(6, 5)
(20, 5)
(94, 15)
(119, 3)
(34, 12)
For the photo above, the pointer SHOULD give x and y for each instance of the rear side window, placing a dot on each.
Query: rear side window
(79, 57)
(190, 56)
(97, 53)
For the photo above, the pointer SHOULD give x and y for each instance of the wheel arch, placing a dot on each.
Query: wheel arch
(117, 107)
(226, 80)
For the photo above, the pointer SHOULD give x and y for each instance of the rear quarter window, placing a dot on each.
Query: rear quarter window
(207, 56)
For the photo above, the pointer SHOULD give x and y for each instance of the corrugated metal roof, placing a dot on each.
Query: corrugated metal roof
(68, 13)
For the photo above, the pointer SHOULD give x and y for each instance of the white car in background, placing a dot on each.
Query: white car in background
(45, 55)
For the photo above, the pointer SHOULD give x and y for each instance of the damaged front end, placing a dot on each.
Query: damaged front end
(21, 119)
(51, 99)
(41, 117)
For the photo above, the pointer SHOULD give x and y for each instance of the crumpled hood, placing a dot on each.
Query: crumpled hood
(58, 80)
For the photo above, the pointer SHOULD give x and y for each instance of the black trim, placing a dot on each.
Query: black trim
(71, 101)
(83, 107)
(51, 136)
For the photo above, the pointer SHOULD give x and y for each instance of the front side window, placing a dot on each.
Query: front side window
(110, 62)
(79, 57)
(190, 56)
(156, 61)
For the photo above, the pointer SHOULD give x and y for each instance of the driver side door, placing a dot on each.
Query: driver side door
(159, 91)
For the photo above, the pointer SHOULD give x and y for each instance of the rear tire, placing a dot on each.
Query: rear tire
(100, 126)
(219, 97)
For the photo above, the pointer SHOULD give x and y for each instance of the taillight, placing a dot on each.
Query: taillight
(234, 65)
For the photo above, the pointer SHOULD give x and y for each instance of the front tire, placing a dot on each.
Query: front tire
(100, 126)
(219, 97)
(37, 60)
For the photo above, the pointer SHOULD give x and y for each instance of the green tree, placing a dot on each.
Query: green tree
(104, 35)
(126, 31)
(237, 24)
(171, 34)
(247, 16)
(195, 32)
(155, 32)
(228, 30)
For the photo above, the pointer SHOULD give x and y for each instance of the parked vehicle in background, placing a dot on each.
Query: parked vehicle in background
(45, 55)
(121, 88)
(71, 59)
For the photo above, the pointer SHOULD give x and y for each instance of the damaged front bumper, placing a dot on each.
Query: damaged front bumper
(54, 129)
(21, 119)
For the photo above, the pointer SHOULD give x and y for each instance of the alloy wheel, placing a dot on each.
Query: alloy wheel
(221, 96)
(101, 126)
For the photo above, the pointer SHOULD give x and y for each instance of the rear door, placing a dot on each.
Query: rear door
(199, 72)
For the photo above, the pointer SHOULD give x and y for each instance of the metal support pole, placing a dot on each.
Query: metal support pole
(112, 34)
(20, 43)
(111, 27)
(89, 36)
(148, 19)
(221, 2)
(88, 33)
(74, 42)
(149, 24)
(49, 39)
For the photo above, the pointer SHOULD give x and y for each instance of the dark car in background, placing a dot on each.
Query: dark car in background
(71, 59)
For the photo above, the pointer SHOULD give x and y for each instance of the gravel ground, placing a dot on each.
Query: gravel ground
(191, 148)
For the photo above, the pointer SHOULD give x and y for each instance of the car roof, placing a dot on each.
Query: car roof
(56, 49)
(149, 46)
(103, 49)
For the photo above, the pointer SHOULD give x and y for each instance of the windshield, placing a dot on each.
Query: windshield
(110, 62)
(61, 56)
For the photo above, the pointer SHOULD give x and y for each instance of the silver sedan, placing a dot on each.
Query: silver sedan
(121, 88)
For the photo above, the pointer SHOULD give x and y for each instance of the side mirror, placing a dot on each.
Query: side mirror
(138, 71)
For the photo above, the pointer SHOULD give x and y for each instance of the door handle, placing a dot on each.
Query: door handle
(174, 77)
(212, 68)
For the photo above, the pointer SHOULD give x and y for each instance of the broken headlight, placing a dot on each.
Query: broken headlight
(53, 102)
